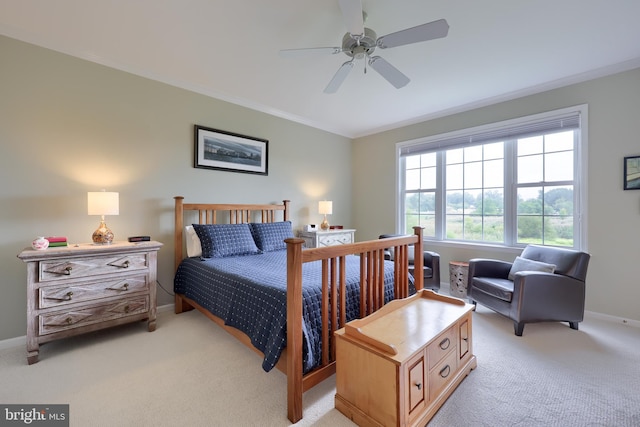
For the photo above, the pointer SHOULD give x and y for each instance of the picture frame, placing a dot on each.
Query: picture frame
(632, 173)
(228, 151)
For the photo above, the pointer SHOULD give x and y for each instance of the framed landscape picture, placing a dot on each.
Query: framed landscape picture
(632, 173)
(217, 149)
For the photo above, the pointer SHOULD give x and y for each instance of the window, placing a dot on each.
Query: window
(510, 183)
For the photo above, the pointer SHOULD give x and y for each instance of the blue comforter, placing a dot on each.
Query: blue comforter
(249, 293)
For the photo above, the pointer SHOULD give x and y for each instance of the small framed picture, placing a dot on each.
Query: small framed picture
(632, 173)
(227, 151)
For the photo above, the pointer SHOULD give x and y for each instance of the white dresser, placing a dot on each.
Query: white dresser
(320, 239)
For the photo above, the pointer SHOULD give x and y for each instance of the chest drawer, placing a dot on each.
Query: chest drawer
(442, 373)
(442, 346)
(77, 268)
(61, 295)
(69, 319)
(335, 239)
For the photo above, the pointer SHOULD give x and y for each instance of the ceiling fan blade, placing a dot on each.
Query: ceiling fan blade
(299, 53)
(429, 31)
(353, 18)
(339, 77)
(389, 72)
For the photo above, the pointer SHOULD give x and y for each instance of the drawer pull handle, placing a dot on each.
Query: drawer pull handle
(124, 287)
(123, 265)
(444, 373)
(445, 343)
(65, 272)
(66, 297)
(419, 385)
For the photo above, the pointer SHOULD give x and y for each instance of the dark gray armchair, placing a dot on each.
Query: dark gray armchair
(431, 267)
(532, 294)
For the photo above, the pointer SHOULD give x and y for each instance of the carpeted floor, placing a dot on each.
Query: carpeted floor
(190, 372)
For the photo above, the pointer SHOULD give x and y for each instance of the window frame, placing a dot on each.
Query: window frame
(434, 142)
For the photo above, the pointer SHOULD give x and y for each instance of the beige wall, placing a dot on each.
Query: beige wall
(69, 126)
(613, 286)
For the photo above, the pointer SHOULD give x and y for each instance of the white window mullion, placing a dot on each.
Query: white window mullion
(510, 193)
(441, 205)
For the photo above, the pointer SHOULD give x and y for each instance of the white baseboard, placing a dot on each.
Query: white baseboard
(13, 342)
(614, 319)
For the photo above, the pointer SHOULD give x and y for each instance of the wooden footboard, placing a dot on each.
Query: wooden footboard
(333, 260)
(333, 284)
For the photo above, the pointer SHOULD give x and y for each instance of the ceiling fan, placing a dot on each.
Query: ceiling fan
(360, 42)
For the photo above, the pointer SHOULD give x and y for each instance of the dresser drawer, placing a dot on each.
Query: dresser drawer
(442, 346)
(335, 239)
(70, 319)
(61, 295)
(73, 268)
(442, 373)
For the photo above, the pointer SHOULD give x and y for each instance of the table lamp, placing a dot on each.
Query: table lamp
(102, 203)
(325, 207)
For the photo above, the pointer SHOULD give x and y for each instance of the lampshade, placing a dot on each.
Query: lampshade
(103, 203)
(325, 207)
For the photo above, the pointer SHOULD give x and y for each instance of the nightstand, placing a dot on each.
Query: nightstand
(82, 288)
(319, 239)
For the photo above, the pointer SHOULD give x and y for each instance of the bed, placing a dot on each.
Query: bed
(283, 301)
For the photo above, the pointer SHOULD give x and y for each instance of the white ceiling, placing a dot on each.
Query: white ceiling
(495, 50)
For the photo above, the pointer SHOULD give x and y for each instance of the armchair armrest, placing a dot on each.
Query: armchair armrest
(430, 258)
(548, 296)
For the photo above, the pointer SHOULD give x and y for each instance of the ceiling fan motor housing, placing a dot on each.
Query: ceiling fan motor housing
(359, 47)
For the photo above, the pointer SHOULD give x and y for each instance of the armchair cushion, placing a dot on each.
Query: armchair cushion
(497, 288)
(524, 264)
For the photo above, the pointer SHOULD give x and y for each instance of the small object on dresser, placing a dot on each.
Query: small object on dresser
(56, 242)
(40, 243)
(136, 239)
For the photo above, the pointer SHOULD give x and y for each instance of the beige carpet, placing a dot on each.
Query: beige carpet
(190, 372)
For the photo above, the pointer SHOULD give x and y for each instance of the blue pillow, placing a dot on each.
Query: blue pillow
(223, 240)
(269, 236)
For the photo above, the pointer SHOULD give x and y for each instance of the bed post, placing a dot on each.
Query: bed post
(286, 210)
(179, 304)
(418, 259)
(294, 329)
(178, 230)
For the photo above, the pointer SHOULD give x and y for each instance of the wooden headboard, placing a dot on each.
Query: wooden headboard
(205, 213)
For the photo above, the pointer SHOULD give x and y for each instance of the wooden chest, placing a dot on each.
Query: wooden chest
(397, 366)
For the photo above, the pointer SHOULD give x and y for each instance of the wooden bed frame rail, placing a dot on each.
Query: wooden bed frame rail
(333, 261)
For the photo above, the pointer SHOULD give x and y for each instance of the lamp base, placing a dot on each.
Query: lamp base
(102, 236)
(325, 224)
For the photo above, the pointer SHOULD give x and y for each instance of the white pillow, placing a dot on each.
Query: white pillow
(194, 248)
(524, 264)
